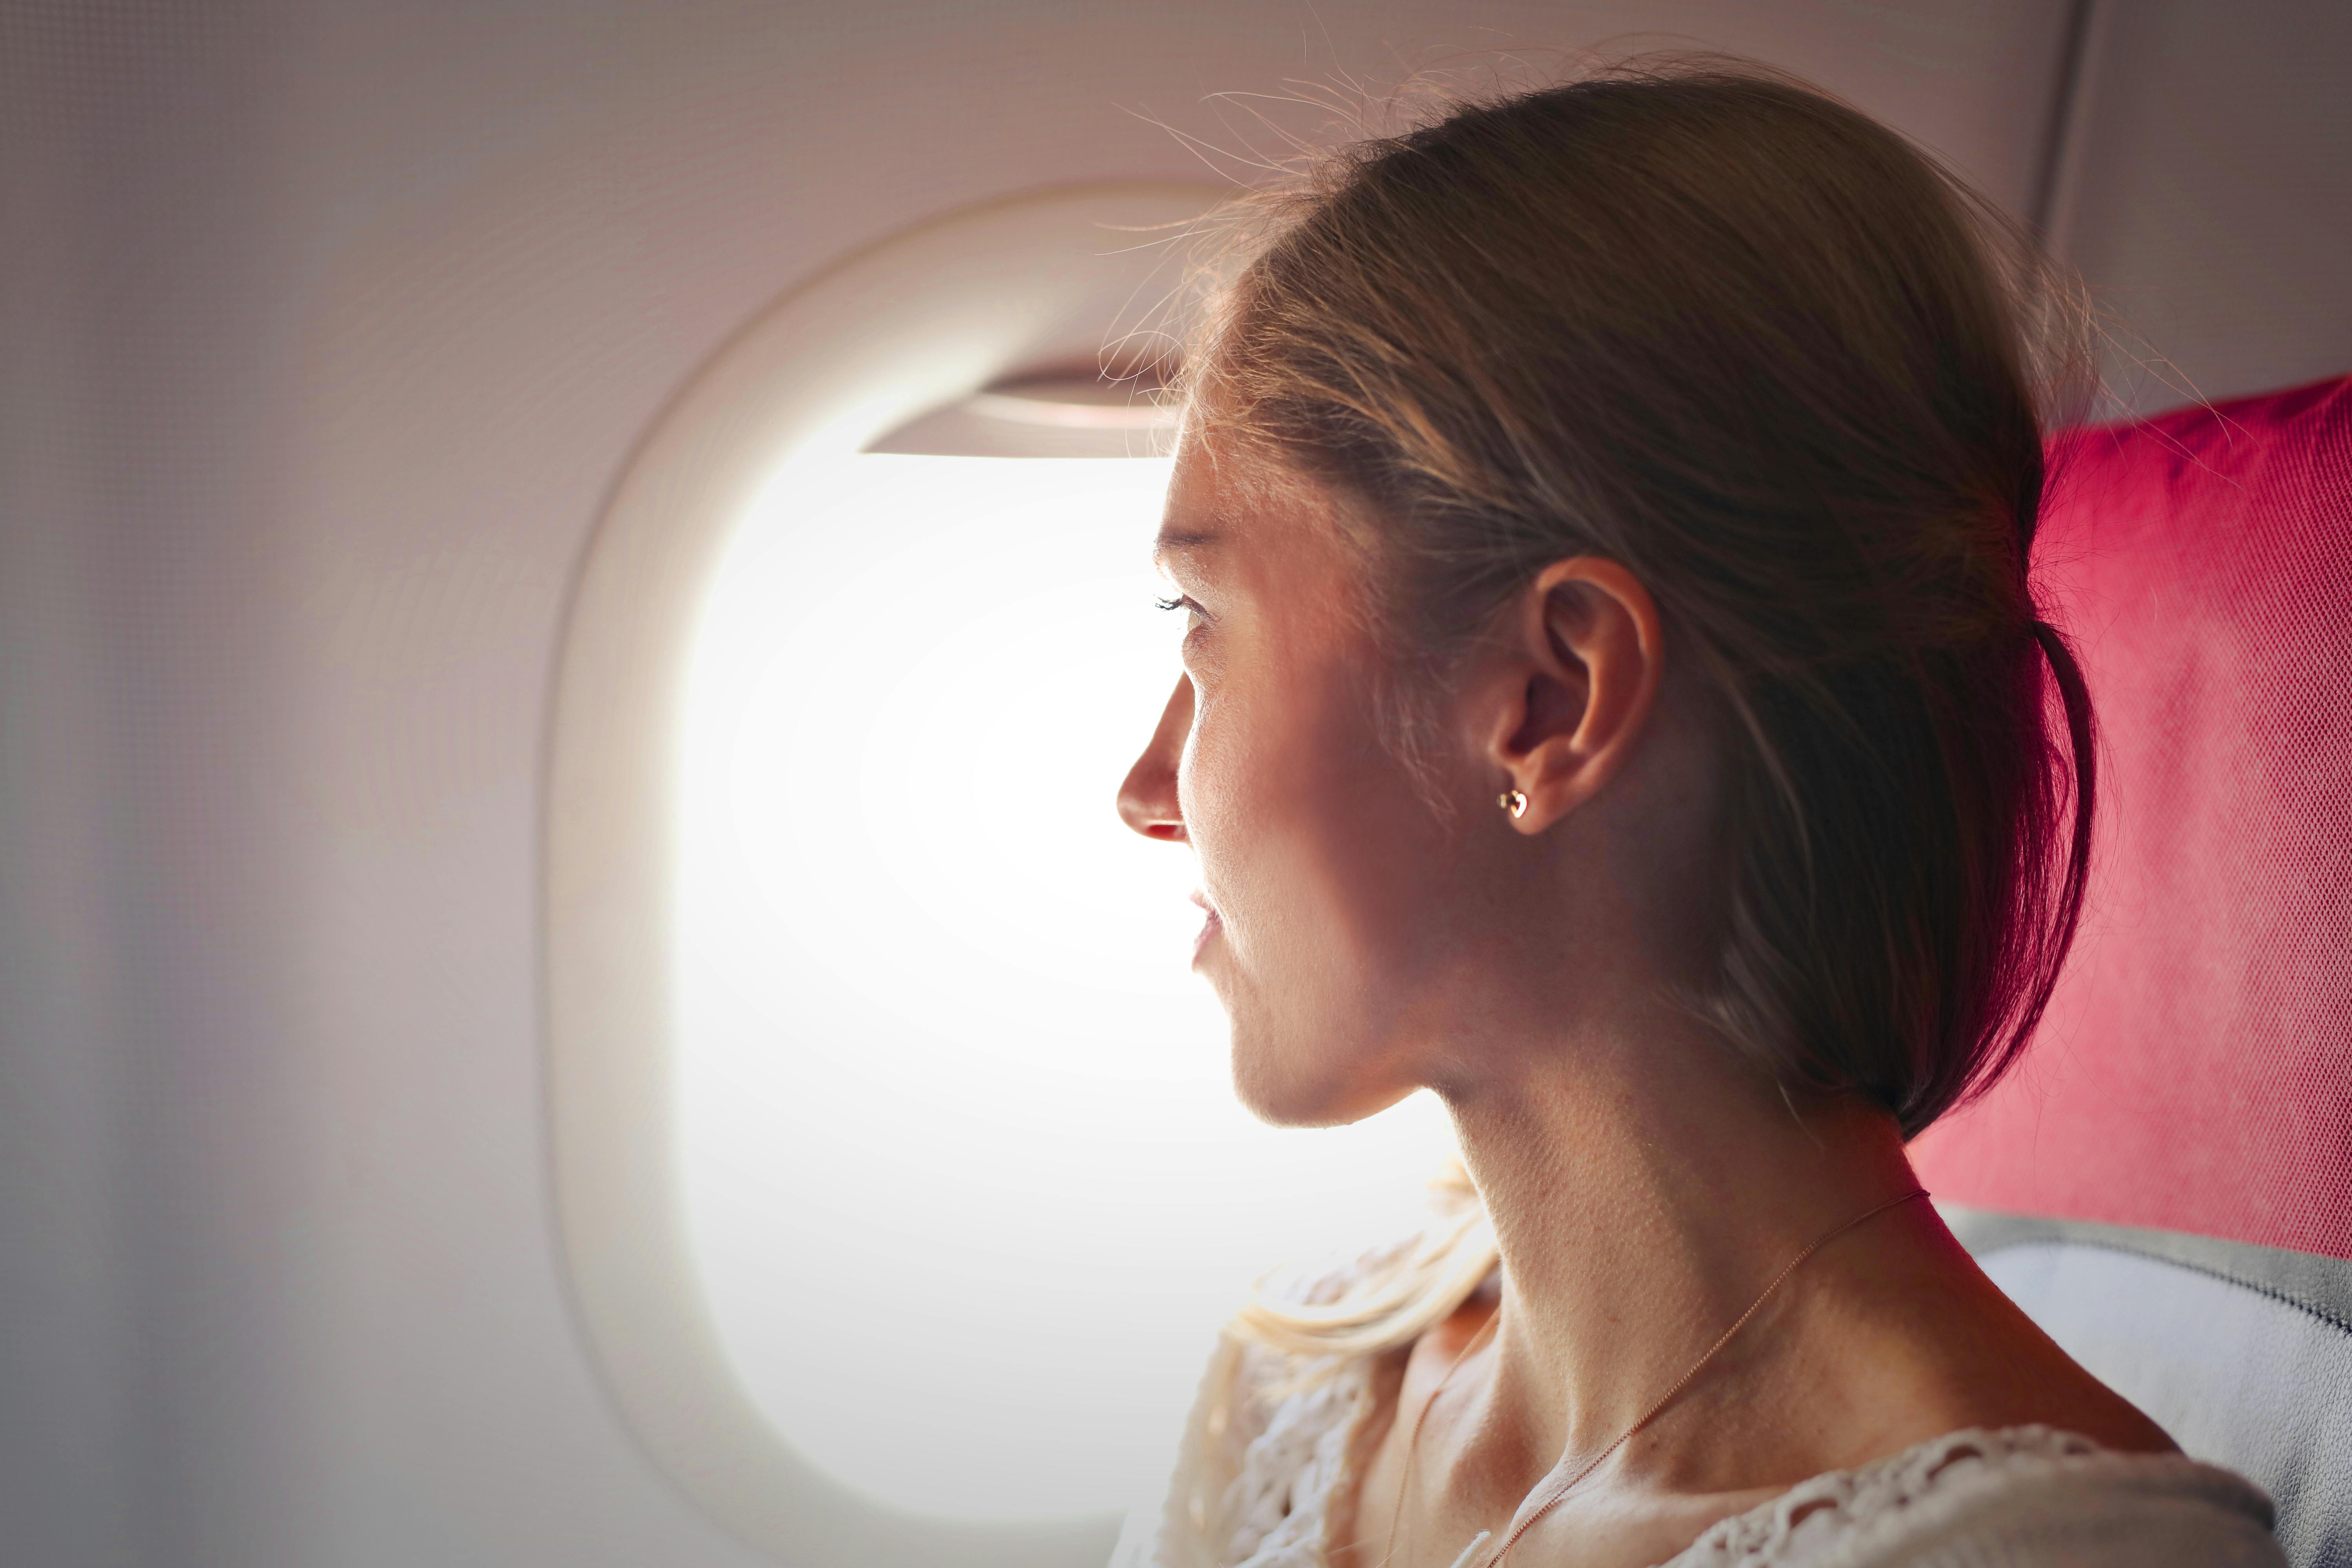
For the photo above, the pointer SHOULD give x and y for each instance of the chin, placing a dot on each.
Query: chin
(1292, 1078)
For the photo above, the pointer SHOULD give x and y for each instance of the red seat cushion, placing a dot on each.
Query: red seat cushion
(2195, 1069)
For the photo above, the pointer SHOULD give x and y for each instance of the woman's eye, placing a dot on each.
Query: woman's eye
(1181, 602)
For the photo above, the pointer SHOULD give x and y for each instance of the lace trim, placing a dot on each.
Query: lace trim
(1845, 1500)
(1276, 1510)
(1274, 1456)
(1266, 1451)
(1278, 1506)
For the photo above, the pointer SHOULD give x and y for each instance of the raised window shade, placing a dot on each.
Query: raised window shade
(965, 1181)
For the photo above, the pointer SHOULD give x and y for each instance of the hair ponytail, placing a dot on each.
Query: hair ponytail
(2066, 912)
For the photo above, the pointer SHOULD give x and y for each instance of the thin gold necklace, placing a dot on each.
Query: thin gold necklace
(1560, 1492)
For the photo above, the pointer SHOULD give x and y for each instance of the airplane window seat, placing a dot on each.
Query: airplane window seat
(2166, 1182)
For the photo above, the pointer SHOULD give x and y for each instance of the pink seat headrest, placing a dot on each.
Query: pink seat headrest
(2194, 1072)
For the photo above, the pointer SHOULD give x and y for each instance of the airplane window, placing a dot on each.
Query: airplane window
(964, 1178)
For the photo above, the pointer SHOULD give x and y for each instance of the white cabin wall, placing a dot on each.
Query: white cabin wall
(323, 331)
(2209, 200)
(131, 470)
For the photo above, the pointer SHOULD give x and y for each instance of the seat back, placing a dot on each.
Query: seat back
(2181, 1131)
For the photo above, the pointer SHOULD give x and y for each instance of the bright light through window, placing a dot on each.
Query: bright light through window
(966, 1184)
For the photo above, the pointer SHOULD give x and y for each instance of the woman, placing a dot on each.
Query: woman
(1613, 699)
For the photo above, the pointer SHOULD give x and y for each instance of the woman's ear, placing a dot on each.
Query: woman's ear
(1578, 663)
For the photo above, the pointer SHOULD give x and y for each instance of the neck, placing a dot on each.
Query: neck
(1645, 1190)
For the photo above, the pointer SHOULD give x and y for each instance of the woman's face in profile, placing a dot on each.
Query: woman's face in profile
(1330, 883)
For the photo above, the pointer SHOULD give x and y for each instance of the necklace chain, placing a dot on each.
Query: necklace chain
(1560, 1492)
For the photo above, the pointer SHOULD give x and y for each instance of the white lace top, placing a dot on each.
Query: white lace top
(1259, 1469)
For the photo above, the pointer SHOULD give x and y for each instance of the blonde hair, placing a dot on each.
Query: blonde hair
(1390, 1299)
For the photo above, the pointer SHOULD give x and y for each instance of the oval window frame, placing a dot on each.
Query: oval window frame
(919, 320)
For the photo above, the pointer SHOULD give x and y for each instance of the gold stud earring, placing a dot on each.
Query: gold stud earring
(1513, 802)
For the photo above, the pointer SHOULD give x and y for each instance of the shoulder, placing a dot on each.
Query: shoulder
(1259, 1463)
(2024, 1496)
(1264, 1449)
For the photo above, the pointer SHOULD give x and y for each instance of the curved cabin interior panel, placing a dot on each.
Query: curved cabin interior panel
(501, 1064)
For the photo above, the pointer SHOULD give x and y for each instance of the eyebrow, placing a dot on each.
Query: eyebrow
(1180, 543)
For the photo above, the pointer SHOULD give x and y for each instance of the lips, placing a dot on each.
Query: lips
(1209, 927)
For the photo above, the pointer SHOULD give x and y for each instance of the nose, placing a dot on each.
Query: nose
(1147, 800)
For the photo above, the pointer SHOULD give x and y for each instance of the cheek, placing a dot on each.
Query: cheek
(1307, 832)
(1245, 787)
(1328, 871)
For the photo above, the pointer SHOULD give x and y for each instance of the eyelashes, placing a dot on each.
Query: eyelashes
(1196, 619)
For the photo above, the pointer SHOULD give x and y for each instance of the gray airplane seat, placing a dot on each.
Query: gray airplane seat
(2164, 1183)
